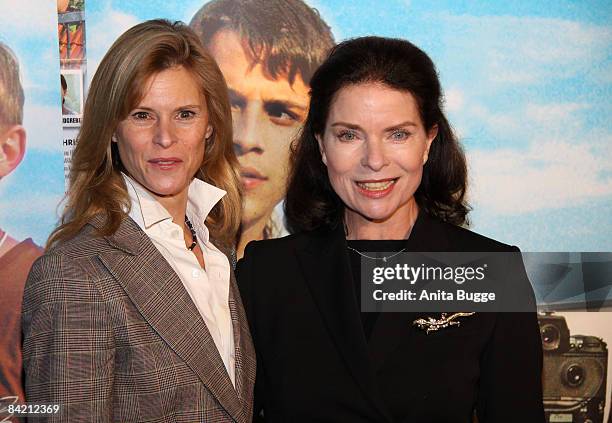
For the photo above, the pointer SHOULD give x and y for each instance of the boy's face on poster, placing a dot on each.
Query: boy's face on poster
(267, 113)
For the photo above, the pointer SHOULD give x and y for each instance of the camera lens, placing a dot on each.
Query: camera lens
(574, 375)
(550, 337)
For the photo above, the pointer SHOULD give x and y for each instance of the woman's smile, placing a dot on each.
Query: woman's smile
(376, 188)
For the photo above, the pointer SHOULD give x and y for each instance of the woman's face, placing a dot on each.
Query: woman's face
(374, 147)
(162, 140)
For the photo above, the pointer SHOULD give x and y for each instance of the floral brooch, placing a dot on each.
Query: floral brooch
(430, 324)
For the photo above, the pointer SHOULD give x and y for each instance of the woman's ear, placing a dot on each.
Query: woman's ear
(431, 136)
(12, 149)
(321, 149)
(209, 132)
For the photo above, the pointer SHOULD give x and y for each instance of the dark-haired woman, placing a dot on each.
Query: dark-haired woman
(377, 168)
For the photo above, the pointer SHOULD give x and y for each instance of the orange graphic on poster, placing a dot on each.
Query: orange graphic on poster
(71, 41)
(71, 32)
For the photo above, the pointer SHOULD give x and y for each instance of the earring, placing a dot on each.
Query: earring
(209, 139)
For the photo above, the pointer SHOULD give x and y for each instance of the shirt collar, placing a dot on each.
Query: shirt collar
(201, 198)
(147, 211)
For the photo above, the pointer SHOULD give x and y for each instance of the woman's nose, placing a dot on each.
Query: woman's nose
(375, 156)
(164, 134)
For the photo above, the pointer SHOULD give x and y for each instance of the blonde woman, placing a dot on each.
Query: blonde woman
(133, 313)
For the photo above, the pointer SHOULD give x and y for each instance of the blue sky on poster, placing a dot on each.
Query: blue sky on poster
(527, 88)
(29, 195)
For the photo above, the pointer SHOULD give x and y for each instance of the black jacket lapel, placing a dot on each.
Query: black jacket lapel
(159, 295)
(392, 329)
(326, 265)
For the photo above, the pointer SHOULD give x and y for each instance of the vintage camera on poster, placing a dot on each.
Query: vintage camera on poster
(575, 368)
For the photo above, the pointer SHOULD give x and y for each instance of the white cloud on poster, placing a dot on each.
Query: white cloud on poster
(29, 28)
(559, 162)
(554, 114)
(499, 122)
(537, 153)
(602, 73)
(27, 82)
(31, 18)
(454, 99)
(525, 121)
(107, 25)
(34, 206)
(546, 175)
(527, 50)
(30, 209)
(40, 73)
(42, 125)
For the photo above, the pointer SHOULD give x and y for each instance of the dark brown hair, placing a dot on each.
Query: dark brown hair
(96, 184)
(311, 202)
(287, 36)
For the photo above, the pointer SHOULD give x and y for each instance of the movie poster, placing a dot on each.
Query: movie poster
(31, 177)
(527, 89)
(71, 37)
(31, 191)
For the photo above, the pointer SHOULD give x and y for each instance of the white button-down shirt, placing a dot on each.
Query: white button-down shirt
(208, 288)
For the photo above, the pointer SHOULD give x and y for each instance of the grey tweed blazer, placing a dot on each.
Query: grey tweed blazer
(111, 335)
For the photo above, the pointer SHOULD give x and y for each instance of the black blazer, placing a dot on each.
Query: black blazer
(314, 363)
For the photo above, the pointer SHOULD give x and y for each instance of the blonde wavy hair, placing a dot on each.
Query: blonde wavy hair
(96, 185)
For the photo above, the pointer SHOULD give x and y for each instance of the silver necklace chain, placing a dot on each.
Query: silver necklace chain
(384, 258)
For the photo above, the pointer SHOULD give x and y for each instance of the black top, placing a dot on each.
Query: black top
(368, 319)
(315, 364)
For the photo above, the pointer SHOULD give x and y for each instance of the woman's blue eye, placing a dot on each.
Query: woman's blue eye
(399, 135)
(347, 136)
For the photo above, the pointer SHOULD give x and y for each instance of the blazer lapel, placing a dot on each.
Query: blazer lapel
(326, 266)
(243, 345)
(392, 329)
(160, 297)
